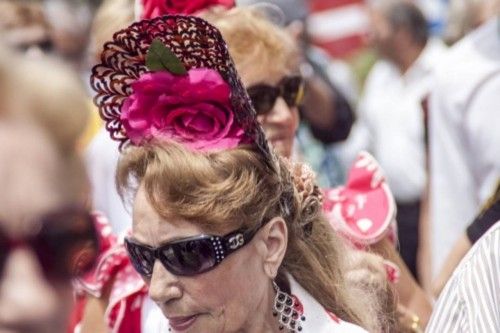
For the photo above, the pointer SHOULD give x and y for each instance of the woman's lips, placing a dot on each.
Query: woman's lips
(182, 323)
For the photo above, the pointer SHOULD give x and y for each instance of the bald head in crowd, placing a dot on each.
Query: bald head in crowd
(399, 30)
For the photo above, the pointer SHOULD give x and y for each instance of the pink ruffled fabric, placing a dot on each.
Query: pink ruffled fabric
(113, 271)
(364, 209)
(155, 8)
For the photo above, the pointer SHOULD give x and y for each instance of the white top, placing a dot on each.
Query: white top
(464, 116)
(318, 320)
(101, 158)
(391, 122)
(152, 319)
(470, 302)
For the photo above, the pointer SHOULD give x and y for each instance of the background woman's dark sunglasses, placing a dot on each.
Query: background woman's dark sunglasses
(264, 96)
(188, 256)
(66, 246)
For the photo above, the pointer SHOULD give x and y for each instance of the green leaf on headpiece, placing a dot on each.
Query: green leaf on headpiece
(160, 58)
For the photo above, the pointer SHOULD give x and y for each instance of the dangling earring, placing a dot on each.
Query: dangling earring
(285, 311)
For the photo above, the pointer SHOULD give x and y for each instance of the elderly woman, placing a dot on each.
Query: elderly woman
(275, 58)
(45, 231)
(212, 203)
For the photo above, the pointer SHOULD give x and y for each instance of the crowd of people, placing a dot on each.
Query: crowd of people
(201, 166)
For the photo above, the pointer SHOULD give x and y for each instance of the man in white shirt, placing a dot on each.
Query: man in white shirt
(471, 298)
(464, 118)
(391, 121)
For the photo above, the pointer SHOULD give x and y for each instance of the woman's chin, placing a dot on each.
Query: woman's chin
(282, 147)
(196, 324)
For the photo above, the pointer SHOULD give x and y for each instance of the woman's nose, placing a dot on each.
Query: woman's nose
(163, 285)
(34, 52)
(27, 299)
(281, 113)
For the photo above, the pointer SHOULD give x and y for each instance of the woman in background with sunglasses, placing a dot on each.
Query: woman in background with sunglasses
(47, 237)
(266, 58)
(268, 61)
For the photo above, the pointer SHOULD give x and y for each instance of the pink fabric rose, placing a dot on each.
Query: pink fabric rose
(155, 8)
(192, 109)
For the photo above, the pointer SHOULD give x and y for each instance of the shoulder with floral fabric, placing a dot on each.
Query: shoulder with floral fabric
(114, 273)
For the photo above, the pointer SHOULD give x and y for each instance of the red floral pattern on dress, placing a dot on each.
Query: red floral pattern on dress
(392, 271)
(297, 305)
(363, 210)
(155, 8)
(334, 317)
(114, 271)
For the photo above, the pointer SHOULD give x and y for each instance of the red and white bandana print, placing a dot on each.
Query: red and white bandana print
(113, 271)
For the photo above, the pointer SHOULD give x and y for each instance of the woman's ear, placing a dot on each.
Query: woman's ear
(274, 236)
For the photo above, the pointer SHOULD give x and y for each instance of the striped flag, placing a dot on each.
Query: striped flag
(338, 26)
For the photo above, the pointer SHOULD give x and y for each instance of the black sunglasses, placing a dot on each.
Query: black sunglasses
(46, 46)
(264, 96)
(187, 256)
(66, 246)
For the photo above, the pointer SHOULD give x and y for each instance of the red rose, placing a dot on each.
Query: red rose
(192, 109)
(155, 8)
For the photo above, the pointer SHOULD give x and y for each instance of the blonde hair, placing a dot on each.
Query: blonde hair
(254, 42)
(50, 95)
(111, 16)
(232, 189)
(19, 13)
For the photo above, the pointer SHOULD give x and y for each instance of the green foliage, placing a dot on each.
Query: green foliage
(161, 58)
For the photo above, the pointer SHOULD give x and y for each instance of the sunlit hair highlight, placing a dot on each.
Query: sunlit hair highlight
(256, 43)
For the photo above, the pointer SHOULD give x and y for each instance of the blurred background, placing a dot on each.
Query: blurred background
(339, 27)
(364, 57)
